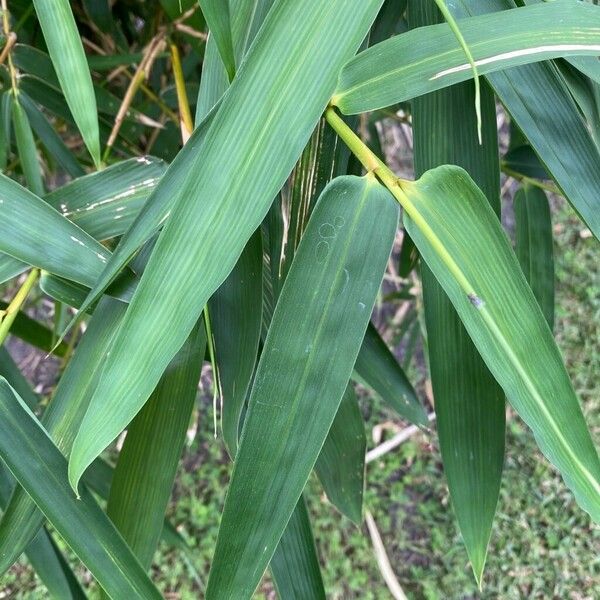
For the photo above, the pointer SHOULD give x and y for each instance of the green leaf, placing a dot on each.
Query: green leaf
(341, 463)
(22, 519)
(143, 478)
(247, 17)
(6, 100)
(236, 319)
(10, 267)
(80, 522)
(469, 404)
(64, 45)
(378, 368)
(534, 246)
(48, 136)
(427, 59)
(217, 15)
(28, 155)
(542, 107)
(295, 564)
(43, 555)
(461, 240)
(214, 82)
(212, 220)
(312, 344)
(33, 332)
(33, 232)
(104, 204)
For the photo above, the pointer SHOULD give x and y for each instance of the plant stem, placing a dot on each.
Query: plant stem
(10, 41)
(8, 315)
(531, 180)
(395, 185)
(185, 115)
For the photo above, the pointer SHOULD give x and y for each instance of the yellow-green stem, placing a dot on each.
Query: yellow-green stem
(395, 185)
(8, 315)
(185, 113)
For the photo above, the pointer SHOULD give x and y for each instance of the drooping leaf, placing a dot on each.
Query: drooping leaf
(217, 15)
(48, 136)
(35, 233)
(43, 555)
(534, 249)
(307, 359)
(378, 368)
(295, 564)
(427, 59)
(64, 45)
(22, 519)
(143, 478)
(80, 522)
(538, 101)
(105, 203)
(193, 255)
(236, 318)
(6, 99)
(341, 463)
(28, 155)
(469, 254)
(469, 404)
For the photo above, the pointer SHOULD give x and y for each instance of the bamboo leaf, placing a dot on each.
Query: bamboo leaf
(105, 203)
(81, 522)
(469, 404)
(33, 232)
(378, 368)
(313, 341)
(541, 106)
(295, 564)
(68, 58)
(10, 267)
(217, 15)
(143, 478)
(6, 100)
(28, 155)
(461, 240)
(22, 519)
(427, 59)
(53, 142)
(44, 556)
(194, 255)
(341, 463)
(534, 246)
(236, 319)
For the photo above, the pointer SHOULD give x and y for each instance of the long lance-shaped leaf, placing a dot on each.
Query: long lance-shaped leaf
(68, 58)
(105, 203)
(427, 59)
(378, 368)
(143, 478)
(33, 332)
(10, 371)
(341, 463)
(236, 319)
(50, 138)
(201, 241)
(534, 246)
(32, 231)
(22, 519)
(6, 100)
(307, 359)
(80, 522)
(148, 221)
(295, 564)
(462, 242)
(43, 555)
(247, 17)
(28, 154)
(469, 404)
(540, 104)
(217, 15)
(236, 307)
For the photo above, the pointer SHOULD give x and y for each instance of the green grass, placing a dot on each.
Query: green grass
(543, 545)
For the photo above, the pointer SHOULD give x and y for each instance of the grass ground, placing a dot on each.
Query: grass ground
(543, 545)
